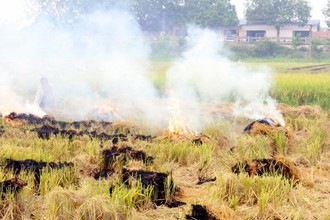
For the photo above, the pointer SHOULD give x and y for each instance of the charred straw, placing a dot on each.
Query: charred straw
(259, 167)
(143, 137)
(157, 180)
(33, 119)
(104, 173)
(2, 130)
(33, 166)
(202, 180)
(201, 213)
(52, 127)
(13, 185)
(18, 165)
(46, 131)
(111, 155)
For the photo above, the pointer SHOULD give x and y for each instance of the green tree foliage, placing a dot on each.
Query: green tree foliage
(278, 12)
(68, 11)
(156, 14)
(326, 12)
(153, 14)
(210, 13)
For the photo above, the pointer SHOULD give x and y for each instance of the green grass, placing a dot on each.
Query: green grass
(294, 86)
(303, 89)
(291, 86)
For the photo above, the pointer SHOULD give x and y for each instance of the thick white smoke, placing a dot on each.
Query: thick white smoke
(98, 67)
(15, 14)
(203, 75)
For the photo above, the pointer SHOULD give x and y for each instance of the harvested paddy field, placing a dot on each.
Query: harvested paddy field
(121, 170)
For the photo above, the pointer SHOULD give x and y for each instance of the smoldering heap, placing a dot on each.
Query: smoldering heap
(266, 126)
(196, 139)
(32, 166)
(278, 165)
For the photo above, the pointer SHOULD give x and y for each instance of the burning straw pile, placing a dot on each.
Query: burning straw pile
(277, 165)
(177, 131)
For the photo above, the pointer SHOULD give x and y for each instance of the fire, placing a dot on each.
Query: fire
(16, 104)
(176, 127)
(178, 124)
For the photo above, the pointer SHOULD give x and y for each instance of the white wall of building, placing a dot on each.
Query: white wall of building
(285, 31)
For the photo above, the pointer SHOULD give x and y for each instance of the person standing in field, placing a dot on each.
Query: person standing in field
(45, 95)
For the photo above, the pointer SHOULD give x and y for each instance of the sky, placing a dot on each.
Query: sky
(317, 6)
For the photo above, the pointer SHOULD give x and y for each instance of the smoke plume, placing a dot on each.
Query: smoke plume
(203, 75)
(97, 63)
(93, 64)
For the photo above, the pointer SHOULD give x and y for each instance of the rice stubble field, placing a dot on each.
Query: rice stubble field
(198, 168)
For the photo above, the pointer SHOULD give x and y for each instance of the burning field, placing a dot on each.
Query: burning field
(234, 169)
(90, 128)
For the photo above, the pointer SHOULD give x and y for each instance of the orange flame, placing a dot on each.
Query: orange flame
(178, 124)
(176, 127)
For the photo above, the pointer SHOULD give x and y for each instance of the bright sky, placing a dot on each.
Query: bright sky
(317, 6)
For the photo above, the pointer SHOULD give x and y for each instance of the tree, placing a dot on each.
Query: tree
(164, 14)
(69, 11)
(210, 13)
(278, 12)
(156, 14)
(326, 12)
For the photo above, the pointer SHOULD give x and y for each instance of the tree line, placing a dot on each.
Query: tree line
(163, 15)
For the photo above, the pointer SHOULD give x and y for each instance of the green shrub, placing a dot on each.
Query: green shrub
(297, 41)
(266, 48)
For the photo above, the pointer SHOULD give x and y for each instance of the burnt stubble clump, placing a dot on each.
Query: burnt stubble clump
(13, 185)
(33, 166)
(158, 181)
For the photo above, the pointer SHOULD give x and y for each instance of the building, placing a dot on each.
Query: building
(253, 31)
(322, 34)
